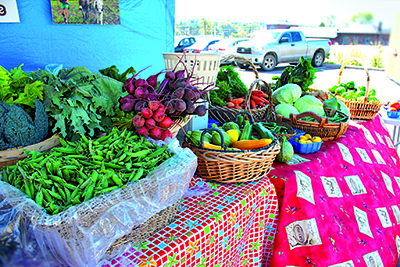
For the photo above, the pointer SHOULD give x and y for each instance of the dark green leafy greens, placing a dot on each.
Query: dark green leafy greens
(79, 101)
(18, 128)
(113, 72)
(229, 85)
(303, 74)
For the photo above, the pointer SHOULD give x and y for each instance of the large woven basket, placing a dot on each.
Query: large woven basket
(225, 114)
(323, 128)
(229, 166)
(362, 110)
(320, 94)
(12, 156)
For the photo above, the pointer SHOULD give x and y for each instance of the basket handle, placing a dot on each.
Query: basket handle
(244, 112)
(210, 130)
(366, 70)
(321, 120)
(254, 69)
(270, 114)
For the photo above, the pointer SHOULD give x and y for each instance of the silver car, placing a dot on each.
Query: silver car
(226, 47)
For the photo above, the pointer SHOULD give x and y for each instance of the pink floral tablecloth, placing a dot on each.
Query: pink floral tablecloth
(340, 206)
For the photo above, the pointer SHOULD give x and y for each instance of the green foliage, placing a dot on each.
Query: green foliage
(17, 128)
(16, 87)
(377, 60)
(303, 74)
(113, 72)
(363, 18)
(78, 100)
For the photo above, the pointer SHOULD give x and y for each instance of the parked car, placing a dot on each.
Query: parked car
(201, 46)
(226, 47)
(184, 42)
(271, 47)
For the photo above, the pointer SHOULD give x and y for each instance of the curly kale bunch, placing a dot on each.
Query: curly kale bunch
(17, 128)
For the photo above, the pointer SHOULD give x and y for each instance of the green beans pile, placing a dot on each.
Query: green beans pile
(76, 172)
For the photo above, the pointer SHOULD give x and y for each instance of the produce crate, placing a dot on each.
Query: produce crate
(230, 166)
(323, 128)
(103, 227)
(12, 156)
(205, 66)
(362, 110)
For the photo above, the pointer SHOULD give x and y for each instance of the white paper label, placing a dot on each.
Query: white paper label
(304, 187)
(384, 217)
(373, 259)
(388, 182)
(349, 263)
(331, 186)
(297, 160)
(9, 11)
(368, 135)
(346, 154)
(378, 157)
(303, 234)
(355, 184)
(362, 221)
(396, 213)
(364, 155)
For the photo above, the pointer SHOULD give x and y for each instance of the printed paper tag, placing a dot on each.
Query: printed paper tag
(378, 157)
(303, 234)
(9, 11)
(349, 263)
(297, 160)
(304, 187)
(368, 135)
(379, 138)
(331, 187)
(373, 259)
(396, 213)
(384, 217)
(364, 155)
(394, 160)
(355, 184)
(389, 141)
(346, 154)
(362, 221)
(388, 182)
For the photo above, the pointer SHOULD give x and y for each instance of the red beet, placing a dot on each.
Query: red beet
(180, 74)
(155, 133)
(128, 87)
(128, 106)
(166, 122)
(141, 83)
(166, 133)
(140, 105)
(125, 99)
(150, 123)
(147, 113)
(158, 115)
(153, 105)
(170, 75)
(142, 131)
(161, 107)
(138, 121)
(141, 92)
(152, 80)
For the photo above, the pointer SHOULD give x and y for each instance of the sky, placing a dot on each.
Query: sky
(303, 12)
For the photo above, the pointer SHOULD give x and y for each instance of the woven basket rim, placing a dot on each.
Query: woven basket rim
(235, 151)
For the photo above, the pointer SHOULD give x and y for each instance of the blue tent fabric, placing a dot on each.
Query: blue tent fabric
(145, 32)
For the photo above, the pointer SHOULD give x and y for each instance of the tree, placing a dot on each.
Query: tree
(330, 21)
(363, 18)
(322, 24)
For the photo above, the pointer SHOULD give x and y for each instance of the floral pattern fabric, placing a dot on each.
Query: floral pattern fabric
(340, 206)
(233, 225)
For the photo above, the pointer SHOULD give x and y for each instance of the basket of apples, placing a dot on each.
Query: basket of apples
(161, 109)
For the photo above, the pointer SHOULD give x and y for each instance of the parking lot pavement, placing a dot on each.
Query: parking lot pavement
(328, 75)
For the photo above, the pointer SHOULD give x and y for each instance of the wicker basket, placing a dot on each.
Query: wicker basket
(362, 110)
(12, 156)
(233, 166)
(205, 66)
(320, 94)
(178, 124)
(323, 128)
(225, 114)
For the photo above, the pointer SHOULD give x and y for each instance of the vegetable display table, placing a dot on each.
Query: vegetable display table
(233, 225)
(340, 206)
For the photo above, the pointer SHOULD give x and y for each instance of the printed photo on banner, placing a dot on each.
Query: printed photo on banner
(384, 217)
(364, 155)
(8, 11)
(373, 259)
(362, 221)
(303, 234)
(331, 187)
(355, 184)
(99, 12)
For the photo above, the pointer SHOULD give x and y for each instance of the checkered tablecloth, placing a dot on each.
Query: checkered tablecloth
(233, 225)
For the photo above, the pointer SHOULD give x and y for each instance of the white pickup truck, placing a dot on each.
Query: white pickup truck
(270, 47)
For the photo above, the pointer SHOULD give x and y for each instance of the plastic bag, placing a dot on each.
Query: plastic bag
(81, 235)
